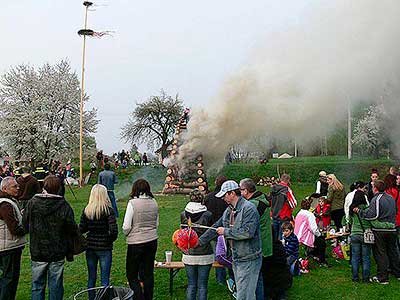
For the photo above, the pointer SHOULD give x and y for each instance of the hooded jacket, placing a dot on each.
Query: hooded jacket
(198, 214)
(264, 211)
(50, 222)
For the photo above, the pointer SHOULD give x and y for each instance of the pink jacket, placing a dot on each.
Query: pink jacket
(305, 227)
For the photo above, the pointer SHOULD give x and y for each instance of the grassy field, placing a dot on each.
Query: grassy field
(320, 283)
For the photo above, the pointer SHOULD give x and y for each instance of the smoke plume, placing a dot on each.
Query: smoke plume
(300, 81)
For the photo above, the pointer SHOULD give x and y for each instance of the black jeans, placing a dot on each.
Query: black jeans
(10, 265)
(386, 254)
(337, 216)
(140, 267)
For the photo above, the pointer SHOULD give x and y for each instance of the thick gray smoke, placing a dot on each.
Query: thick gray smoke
(300, 81)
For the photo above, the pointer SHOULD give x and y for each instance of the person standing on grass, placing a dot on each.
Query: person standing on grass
(108, 178)
(283, 203)
(360, 251)
(98, 221)
(217, 207)
(240, 225)
(322, 184)
(335, 198)
(49, 219)
(140, 228)
(382, 215)
(198, 261)
(250, 193)
(12, 238)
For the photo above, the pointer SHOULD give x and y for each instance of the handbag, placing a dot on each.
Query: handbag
(221, 252)
(369, 236)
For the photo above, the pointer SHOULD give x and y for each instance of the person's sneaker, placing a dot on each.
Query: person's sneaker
(367, 280)
(230, 284)
(375, 279)
(234, 295)
(305, 271)
(355, 280)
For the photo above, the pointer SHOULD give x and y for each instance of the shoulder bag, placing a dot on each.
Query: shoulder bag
(369, 237)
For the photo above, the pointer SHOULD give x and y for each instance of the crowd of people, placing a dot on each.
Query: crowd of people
(122, 159)
(263, 238)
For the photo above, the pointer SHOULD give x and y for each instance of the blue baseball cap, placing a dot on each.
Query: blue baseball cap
(227, 186)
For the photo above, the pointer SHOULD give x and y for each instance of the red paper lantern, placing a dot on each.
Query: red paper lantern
(185, 239)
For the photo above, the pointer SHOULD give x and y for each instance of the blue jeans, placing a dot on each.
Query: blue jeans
(260, 287)
(360, 252)
(197, 281)
(55, 272)
(220, 275)
(246, 278)
(111, 195)
(92, 258)
(277, 226)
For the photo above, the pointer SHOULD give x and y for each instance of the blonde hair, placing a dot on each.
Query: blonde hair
(99, 202)
(335, 183)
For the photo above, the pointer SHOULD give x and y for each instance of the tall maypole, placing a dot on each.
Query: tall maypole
(83, 32)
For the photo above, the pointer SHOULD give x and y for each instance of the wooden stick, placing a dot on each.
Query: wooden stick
(198, 226)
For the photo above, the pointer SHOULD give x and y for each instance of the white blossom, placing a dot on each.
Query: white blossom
(39, 113)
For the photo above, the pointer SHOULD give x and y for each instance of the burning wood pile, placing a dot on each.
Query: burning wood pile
(188, 174)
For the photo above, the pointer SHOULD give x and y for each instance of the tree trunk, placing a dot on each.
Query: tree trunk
(376, 152)
(163, 151)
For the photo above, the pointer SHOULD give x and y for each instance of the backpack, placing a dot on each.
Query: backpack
(221, 253)
(277, 199)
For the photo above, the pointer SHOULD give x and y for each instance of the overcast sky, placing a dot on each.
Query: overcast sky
(185, 47)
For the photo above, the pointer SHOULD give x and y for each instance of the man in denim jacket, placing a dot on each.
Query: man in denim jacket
(240, 225)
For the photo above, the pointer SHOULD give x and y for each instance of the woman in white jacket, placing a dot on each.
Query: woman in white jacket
(140, 227)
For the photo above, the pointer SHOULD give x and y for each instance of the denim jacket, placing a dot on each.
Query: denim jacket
(244, 236)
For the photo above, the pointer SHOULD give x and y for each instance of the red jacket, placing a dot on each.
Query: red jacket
(323, 213)
(395, 194)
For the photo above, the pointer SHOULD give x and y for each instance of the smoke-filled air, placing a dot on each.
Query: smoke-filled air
(299, 81)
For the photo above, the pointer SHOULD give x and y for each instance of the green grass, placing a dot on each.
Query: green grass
(320, 283)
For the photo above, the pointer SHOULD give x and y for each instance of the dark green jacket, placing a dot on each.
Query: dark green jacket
(336, 198)
(264, 210)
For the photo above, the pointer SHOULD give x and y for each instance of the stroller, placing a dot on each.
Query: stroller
(106, 293)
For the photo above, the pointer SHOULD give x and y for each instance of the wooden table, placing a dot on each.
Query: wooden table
(174, 267)
(337, 235)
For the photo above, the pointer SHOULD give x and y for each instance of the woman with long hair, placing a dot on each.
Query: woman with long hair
(140, 227)
(98, 220)
(391, 186)
(336, 199)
